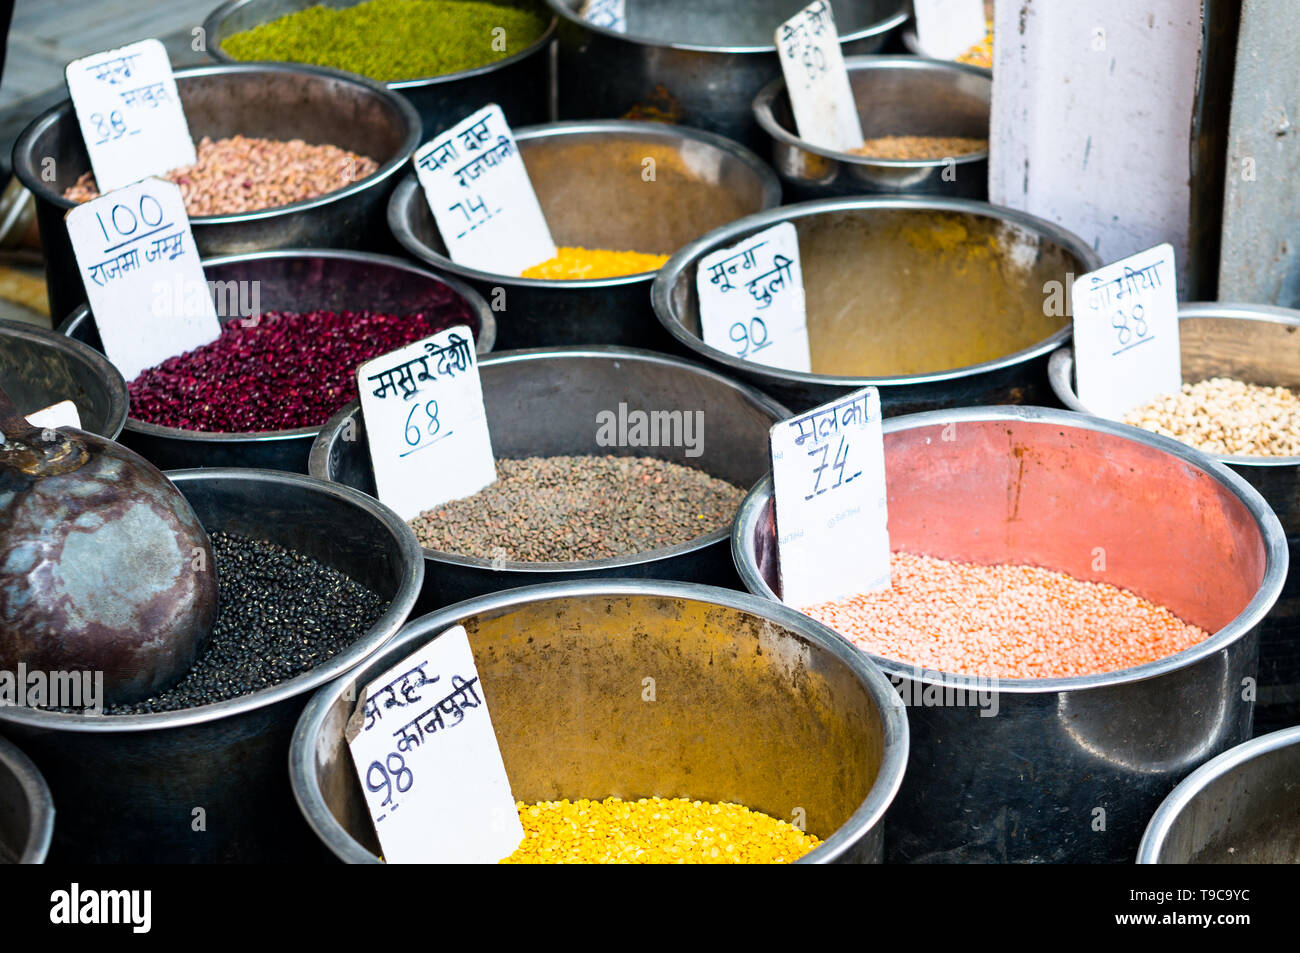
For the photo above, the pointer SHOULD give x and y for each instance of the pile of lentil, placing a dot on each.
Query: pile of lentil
(280, 613)
(286, 370)
(981, 54)
(392, 40)
(919, 147)
(1227, 417)
(654, 831)
(570, 509)
(1005, 621)
(572, 264)
(243, 174)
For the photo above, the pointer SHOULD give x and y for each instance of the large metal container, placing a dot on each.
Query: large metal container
(547, 403)
(291, 280)
(521, 84)
(623, 186)
(39, 368)
(1243, 807)
(26, 809)
(847, 248)
(1258, 344)
(208, 784)
(895, 96)
(556, 661)
(697, 62)
(268, 100)
(1063, 769)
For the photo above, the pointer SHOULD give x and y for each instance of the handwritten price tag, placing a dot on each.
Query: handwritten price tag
(480, 195)
(1126, 348)
(423, 407)
(130, 245)
(818, 83)
(130, 114)
(62, 414)
(429, 763)
(752, 301)
(611, 14)
(828, 476)
(948, 28)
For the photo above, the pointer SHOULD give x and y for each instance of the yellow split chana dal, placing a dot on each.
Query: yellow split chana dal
(654, 831)
(577, 264)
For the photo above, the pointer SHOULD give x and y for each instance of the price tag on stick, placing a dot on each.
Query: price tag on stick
(133, 247)
(428, 433)
(828, 476)
(429, 763)
(752, 300)
(1126, 348)
(817, 82)
(130, 114)
(948, 28)
(480, 195)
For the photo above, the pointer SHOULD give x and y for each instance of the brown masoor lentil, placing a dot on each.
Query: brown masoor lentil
(280, 613)
(576, 508)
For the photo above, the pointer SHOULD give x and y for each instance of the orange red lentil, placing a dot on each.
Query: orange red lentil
(654, 831)
(573, 264)
(1005, 621)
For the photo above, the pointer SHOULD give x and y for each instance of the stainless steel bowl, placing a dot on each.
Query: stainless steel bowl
(1258, 344)
(696, 62)
(545, 403)
(895, 96)
(556, 662)
(129, 787)
(26, 809)
(846, 246)
(1064, 769)
(590, 180)
(521, 84)
(39, 368)
(1243, 807)
(294, 280)
(273, 101)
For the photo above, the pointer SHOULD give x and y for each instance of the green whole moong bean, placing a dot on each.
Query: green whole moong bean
(390, 40)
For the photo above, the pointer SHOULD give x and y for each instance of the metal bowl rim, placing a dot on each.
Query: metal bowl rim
(483, 344)
(765, 117)
(387, 170)
(912, 43)
(318, 461)
(213, 22)
(408, 191)
(661, 290)
(1270, 529)
(1060, 366)
(40, 803)
(375, 638)
(879, 28)
(119, 397)
(1191, 787)
(893, 714)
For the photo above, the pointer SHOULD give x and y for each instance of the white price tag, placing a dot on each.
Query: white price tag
(752, 300)
(478, 190)
(130, 114)
(62, 414)
(611, 14)
(828, 476)
(423, 396)
(1126, 333)
(133, 247)
(945, 29)
(429, 763)
(818, 83)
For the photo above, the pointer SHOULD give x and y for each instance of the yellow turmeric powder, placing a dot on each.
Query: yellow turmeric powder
(572, 264)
